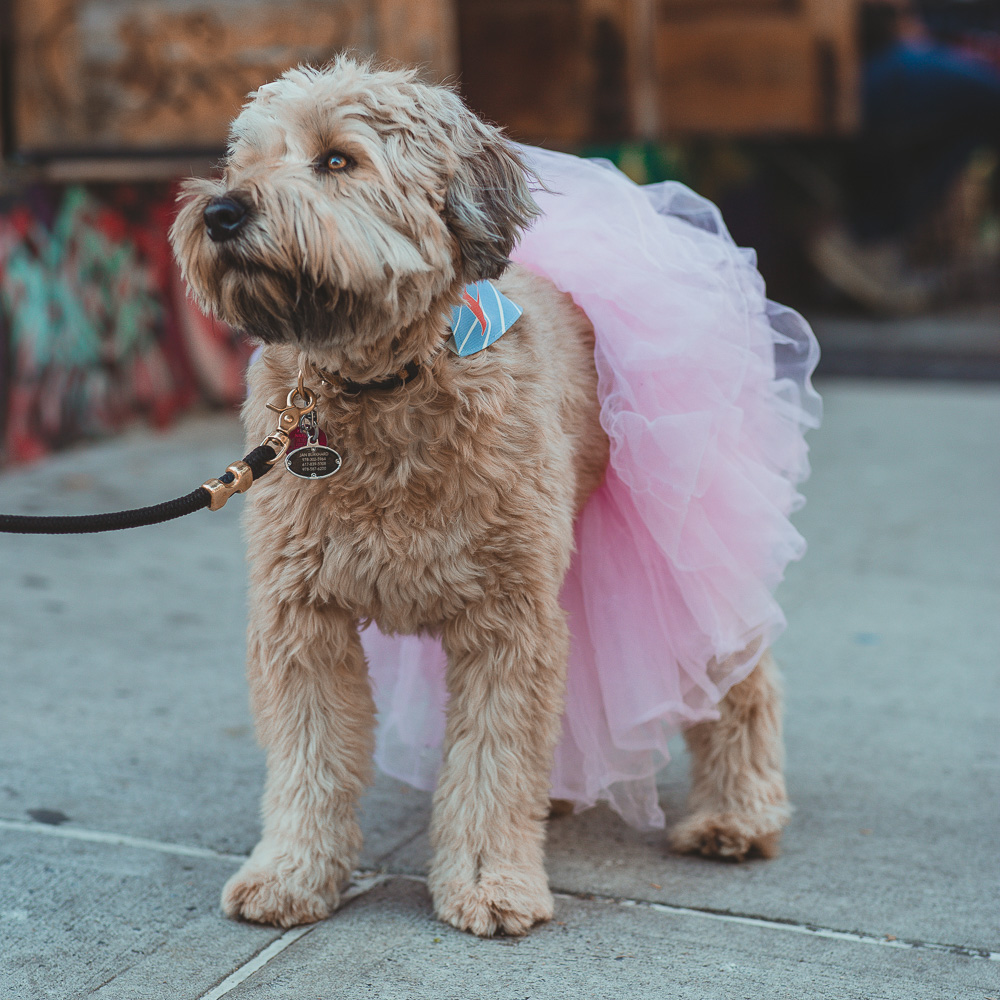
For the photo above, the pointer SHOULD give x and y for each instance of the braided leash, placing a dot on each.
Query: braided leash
(213, 493)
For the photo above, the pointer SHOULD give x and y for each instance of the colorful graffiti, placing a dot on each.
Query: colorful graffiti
(96, 330)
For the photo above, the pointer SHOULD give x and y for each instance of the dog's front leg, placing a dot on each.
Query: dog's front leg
(314, 712)
(506, 675)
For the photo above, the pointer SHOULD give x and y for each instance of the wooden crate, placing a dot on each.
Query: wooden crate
(168, 75)
(751, 67)
(566, 72)
(553, 72)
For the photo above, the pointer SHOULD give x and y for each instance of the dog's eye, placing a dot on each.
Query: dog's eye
(333, 162)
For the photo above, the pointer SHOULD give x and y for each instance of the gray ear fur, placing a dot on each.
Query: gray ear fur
(488, 201)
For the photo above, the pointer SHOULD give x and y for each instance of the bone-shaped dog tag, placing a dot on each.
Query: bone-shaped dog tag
(308, 455)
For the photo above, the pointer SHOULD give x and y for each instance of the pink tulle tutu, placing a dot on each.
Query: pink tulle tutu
(705, 396)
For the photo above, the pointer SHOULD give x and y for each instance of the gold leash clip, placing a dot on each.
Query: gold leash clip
(288, 417)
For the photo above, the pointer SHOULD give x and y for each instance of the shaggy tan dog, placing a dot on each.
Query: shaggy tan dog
(354, 206)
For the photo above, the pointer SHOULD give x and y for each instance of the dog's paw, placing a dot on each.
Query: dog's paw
(494, 904)
(731, 836)
(279, 896)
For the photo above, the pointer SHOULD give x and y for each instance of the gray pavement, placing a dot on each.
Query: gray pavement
(123, 708)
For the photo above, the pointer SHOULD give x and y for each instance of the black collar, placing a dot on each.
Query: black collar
(351, 388)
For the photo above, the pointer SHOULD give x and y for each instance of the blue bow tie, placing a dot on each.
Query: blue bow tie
(484, 316)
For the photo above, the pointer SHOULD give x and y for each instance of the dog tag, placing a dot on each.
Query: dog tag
(308, 455)
(314, 461)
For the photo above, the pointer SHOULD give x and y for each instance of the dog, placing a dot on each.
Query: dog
(355, 205)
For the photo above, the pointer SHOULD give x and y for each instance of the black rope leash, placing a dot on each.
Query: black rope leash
(212, 494)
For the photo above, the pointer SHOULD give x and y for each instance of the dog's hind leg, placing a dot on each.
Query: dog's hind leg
(738, 802)
(506, 675)
(314, 713)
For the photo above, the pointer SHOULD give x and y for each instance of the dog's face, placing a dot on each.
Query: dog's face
(353, 202)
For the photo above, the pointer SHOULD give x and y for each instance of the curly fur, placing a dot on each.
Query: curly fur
(453, 513)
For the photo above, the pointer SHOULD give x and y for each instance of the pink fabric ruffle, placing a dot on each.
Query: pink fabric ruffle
(705, 396)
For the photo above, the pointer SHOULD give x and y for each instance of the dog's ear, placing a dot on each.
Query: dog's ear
(488, 200)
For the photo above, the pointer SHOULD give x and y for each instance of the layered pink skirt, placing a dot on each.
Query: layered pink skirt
(705, 396)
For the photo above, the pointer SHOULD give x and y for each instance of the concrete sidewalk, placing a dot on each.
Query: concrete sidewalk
(129, 775)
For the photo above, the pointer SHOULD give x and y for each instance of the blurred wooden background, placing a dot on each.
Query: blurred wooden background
(119, 77)
(565, 72)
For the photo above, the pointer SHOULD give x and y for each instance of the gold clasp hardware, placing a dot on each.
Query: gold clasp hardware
(219, 492)
(289, 416)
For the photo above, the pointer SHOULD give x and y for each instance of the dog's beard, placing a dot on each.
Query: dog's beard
(278, 289)
(285, 304)
(288, 307)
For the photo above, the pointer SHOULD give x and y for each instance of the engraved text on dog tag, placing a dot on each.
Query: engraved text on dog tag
(313, 461)
(308, 455)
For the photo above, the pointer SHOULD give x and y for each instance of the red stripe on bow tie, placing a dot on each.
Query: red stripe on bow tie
(477, 309)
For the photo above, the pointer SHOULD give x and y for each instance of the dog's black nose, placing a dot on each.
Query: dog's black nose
(224, 218)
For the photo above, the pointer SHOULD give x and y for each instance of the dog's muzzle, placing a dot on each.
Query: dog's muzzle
(224, 218)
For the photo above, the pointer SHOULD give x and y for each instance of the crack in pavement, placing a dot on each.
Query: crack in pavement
(255, 964)
(363, 882)
(117, 840)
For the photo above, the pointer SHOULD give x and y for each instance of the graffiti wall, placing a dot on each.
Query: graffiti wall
(95, 329)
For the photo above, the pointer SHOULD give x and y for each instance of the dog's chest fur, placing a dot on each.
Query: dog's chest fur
(451, 486)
